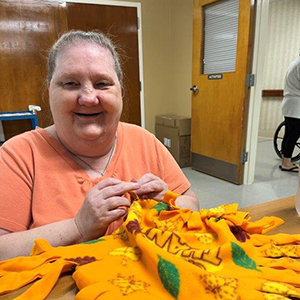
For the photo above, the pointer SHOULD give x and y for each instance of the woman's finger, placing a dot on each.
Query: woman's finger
(111, 188)
(152, 186)
(119, 189)
(107, 182)
(153, 190)
(147, 178)
(115, 202)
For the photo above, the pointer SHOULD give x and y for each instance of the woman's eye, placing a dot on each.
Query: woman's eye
(103, 84)
(70, 84)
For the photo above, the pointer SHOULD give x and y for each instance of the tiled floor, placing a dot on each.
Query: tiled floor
(270, 183)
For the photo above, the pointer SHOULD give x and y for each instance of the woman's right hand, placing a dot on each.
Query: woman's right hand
(101, 207)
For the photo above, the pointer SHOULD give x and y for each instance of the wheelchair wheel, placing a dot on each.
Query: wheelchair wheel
(277, 140)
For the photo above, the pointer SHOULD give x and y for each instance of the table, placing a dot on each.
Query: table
(283, 208)
(66, 289)
(20, 115)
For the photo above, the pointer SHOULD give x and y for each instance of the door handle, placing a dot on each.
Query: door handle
(194, 89)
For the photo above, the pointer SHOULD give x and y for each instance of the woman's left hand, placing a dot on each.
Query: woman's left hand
(152, 187)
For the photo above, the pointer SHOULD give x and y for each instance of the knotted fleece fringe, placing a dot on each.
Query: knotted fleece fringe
(163, 252)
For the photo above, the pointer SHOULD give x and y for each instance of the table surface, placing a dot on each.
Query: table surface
(66, 289)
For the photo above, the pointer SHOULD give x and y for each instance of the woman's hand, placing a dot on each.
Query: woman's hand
(151, 187)
(102, 206)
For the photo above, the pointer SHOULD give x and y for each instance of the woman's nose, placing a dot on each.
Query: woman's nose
(88, 97)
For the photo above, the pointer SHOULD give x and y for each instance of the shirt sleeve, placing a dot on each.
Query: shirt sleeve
(16, 177)
(172, 174)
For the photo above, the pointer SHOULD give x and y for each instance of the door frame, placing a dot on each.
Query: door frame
(140, 43)
(255, 98)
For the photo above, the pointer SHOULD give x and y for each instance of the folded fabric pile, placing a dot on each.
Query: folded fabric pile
(163, 252)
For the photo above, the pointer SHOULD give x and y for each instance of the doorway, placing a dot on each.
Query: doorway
(276, 46)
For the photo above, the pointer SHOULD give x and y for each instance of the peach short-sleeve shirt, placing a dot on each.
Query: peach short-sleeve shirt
(41, 184)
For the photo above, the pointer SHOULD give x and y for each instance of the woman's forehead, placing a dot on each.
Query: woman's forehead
(84, 56)
(86, 49)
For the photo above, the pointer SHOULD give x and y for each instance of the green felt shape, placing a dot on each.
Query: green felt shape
(241, 259)
(161, 206)
(169, 276)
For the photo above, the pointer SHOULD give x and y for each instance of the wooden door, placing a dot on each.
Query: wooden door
(121, 24)
(28, 29)
(219, 106)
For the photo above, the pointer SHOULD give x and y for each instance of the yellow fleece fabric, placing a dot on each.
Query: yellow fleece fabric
(163, 252)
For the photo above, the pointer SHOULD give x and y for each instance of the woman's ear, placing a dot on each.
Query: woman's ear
(123, 92)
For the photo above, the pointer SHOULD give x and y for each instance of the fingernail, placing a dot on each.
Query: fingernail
(122, 212)
(133, 180)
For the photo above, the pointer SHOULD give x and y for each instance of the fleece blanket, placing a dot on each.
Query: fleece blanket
(163, 252)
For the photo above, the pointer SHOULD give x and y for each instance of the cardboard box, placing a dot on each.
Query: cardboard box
(175, 133)
(182, 123)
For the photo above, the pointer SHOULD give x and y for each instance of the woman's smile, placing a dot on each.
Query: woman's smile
(89, 115)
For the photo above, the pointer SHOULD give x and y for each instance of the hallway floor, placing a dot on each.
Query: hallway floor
(269, 184)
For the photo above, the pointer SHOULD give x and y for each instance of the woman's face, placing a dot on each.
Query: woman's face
(85, 95)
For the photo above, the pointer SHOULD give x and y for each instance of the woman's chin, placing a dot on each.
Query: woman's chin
(89, 135)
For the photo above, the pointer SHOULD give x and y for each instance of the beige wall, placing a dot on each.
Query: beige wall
(282, 48)
(167, 54)
(181, 56)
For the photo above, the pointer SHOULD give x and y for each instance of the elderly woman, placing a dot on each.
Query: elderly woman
(68, 182)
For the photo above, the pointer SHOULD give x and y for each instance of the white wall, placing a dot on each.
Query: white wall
(282, 48)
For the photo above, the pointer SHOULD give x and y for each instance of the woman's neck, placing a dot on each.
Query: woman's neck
(95, 164)
(85, 149)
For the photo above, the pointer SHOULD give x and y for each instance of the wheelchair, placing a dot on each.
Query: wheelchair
(277, 140)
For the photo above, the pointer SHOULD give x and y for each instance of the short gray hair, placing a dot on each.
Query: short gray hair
(78, 36)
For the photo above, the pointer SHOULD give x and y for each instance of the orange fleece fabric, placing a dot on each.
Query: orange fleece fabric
(44, 185)
(163, 252)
